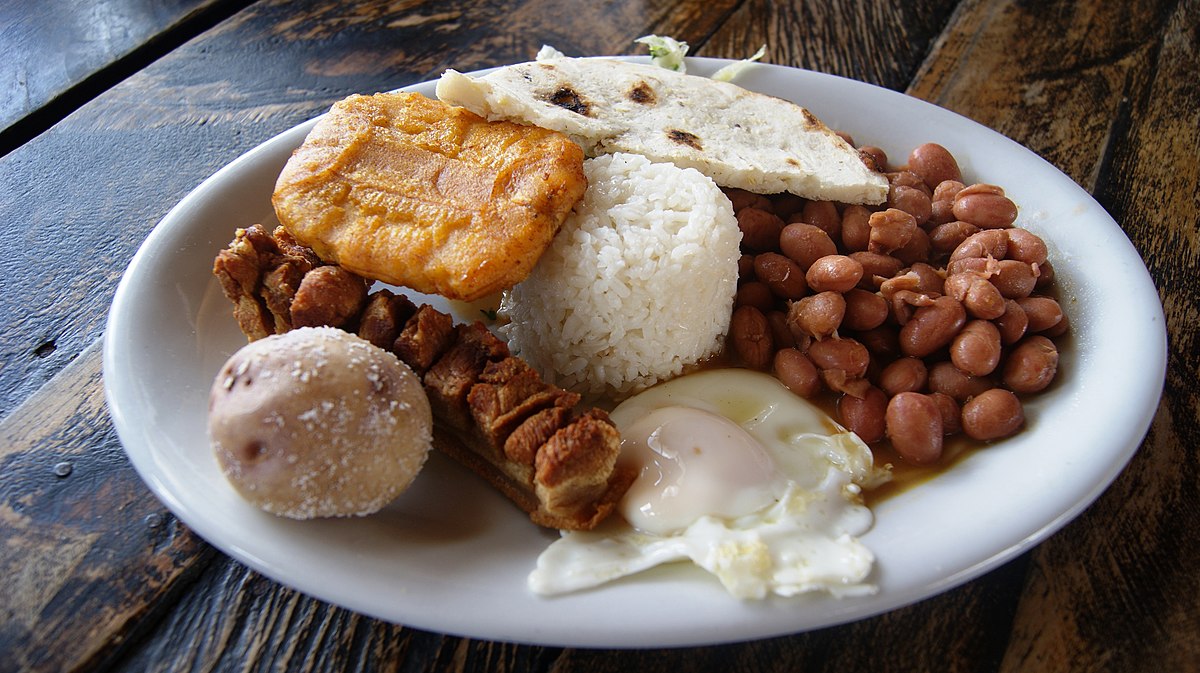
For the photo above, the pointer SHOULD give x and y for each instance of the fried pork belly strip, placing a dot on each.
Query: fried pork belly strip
(276, 284)
(493, 413)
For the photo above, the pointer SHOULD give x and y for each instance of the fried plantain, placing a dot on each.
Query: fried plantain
(410, 191)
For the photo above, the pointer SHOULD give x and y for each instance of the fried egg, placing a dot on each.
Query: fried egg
(742, 477)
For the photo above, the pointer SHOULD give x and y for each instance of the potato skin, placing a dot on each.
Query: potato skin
(316, 422)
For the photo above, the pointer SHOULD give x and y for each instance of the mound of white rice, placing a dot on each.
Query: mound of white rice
(638, 283)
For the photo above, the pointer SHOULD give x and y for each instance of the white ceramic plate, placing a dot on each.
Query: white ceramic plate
(452, 556)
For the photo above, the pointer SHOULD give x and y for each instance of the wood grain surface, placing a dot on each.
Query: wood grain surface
(104, 577)
(61, 53)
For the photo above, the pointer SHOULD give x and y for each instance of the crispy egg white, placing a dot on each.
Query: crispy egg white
(742, 477)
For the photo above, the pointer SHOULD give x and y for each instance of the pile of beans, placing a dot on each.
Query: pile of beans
(927, 315)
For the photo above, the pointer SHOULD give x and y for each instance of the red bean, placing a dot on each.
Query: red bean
(906, 280)
(917, 249)
(823, 214)
(1031, 365)
(856, 228)
(745, 268)
(932, 327)
(1043, 312)
(1045, 275)
(839, 381)
(864, 310)
(847, 355)
(979, 297)
(1014, 279)
(805, 243)
(930, 281)
(781, 334)
(976, 349)
(1026, 246)
(911, 200)
(817, 315)
(800, 340)
(781, 274)
(945, 378)
(983, 266)
(908, 179)
(755, 294)
(951, 413)
(874, 157)
(1058, 330)
(890, 229)
(985, 206)
(1012, 323)
(797, 372)
(942, 201)
(988, 243)
(991, 415)
(786, 203)
(883, 341)
(904, 375)
(751, 337)
(883, 297)
(904, 303)
(865, 415)
(934, 164)
(944, 238)
(914, 424)
(741, 198)
(836, 273)
(875, 266)
(760, 228)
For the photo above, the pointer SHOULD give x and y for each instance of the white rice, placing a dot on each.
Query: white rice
(638, 284)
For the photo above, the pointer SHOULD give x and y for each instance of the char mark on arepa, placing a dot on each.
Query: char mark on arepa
(684, 138)
(567, 98)
(642, 94)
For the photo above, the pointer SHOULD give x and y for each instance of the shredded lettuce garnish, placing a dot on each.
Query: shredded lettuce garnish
(666, 52)
(727, 73)
(669, 53)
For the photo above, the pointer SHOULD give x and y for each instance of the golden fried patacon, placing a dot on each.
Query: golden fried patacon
(411, 191)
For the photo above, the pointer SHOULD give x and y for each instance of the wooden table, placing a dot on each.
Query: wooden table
(114, 109)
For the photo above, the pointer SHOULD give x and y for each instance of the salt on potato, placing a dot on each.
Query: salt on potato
(317, 422)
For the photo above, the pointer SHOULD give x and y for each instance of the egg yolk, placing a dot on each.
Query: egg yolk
(694, 463)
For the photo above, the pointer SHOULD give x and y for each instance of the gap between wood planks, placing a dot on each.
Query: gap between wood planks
(37, 122)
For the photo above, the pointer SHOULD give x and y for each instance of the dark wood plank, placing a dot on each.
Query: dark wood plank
(882, 43)
(60, 53)
(88, 552)
(235, 619)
